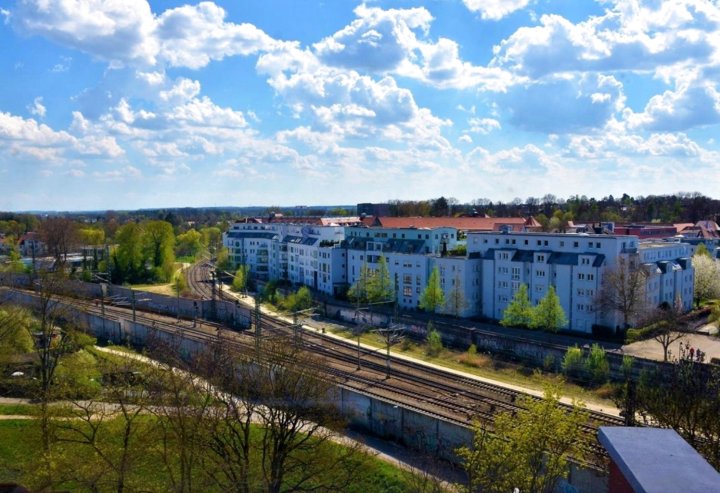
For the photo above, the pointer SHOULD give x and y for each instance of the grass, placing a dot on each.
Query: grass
(18, 409)
(484, 365)
(20, 455)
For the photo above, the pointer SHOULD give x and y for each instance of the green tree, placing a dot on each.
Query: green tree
(519, 312)
(684, 396)
(223, 261)
(548, 314)
(573, 365)
(702, 250)
(240, 280)
(597, 366)
(434, 341)
(528, 450)
(189, 244)
(432, 296)
(128, 261)
(297, 301)
(158, 240)
(92, 236)
(358, 292)
(211, 238)
(379, 285)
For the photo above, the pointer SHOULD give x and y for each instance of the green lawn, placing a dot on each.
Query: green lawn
(20, 454)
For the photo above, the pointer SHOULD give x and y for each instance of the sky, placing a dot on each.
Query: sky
(127, 104)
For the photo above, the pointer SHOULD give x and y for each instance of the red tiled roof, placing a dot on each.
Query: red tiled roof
(315, 220)
(462, 223)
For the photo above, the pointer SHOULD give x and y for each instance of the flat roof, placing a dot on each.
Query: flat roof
(658, 460)
(556, 235)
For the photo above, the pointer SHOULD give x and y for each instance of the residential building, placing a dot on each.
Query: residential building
(411, 254)
(574, 264)
(31, 245)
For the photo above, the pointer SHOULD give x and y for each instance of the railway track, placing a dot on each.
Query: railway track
(458, 398)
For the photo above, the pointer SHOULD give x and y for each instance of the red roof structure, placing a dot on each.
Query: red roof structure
(461, 223)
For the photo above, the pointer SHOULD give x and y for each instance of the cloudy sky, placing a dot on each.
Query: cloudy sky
(127, 103)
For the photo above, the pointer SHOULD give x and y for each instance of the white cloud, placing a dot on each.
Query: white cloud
(192, 36)
(37, 108)
(26, 137)
(378, 40)
(346, 103)
(483, 125)
(114, 31)
(127, 31)
(495, 9)
(120, 174)
(465, 139)
(692, 103)
(395, 41)
(629, 36)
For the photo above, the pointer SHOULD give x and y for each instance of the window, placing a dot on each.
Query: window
(581, 276)
(541, 258)
(407, 291)
(576, 244)
(540, 273)
(407, 279)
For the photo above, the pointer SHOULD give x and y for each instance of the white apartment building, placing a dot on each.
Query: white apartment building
(299, 253)
(411, 255)
(574, 264)
(670, 273)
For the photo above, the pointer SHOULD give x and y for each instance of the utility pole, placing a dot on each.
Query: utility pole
(257, 325)
(177, 289)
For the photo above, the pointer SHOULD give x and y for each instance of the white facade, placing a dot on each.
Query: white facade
(294, 252)
(574, 264)
(411, 255)
(329, 259)
(670, 273)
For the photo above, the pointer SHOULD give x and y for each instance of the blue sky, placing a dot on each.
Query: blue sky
(124, 104)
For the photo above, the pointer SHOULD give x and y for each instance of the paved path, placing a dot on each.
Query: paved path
(652, 349)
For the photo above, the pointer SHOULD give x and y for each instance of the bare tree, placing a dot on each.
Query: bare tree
(111, 436)
(181, 401)
(272, 426)
(455, 303)
(623, 290)
(61, 235)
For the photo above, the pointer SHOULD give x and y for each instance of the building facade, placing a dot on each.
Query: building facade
(479, 272)
(574, 264)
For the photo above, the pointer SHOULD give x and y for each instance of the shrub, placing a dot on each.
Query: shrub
(572, 364)
(597, 365)
(434, 341)
(549, 362)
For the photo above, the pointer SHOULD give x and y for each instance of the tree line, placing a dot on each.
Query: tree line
(675, 208)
